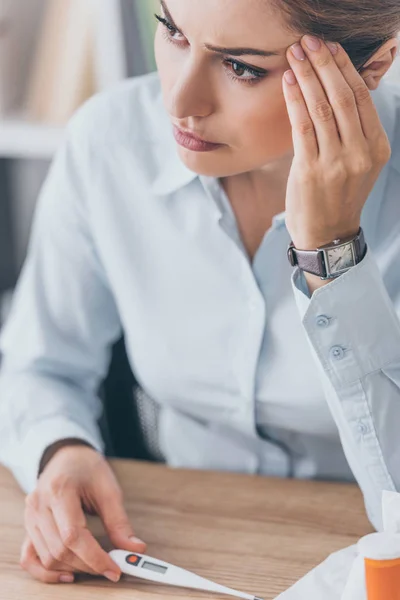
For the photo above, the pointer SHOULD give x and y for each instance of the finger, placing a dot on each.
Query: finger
(47, 560)
(316, 101)
(64, 558)
(368, 114)
(305, 142)
(30, 562)
(339, 93)
(120, 531)
(72, 527)
(42, 535)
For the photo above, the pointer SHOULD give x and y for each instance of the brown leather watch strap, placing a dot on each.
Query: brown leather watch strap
(310, 261)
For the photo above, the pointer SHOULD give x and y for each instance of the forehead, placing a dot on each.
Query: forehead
(233, 22)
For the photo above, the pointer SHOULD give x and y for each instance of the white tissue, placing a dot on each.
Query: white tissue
(342, 575)
(326, 581)
(355, 587)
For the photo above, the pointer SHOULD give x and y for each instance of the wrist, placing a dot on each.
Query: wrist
(55, 448)
(312, 242)
(314, 282)
(323, 263)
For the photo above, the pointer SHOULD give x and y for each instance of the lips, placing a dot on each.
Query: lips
(192, 142)
(189, 133)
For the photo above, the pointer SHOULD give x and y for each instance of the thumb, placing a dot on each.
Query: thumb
(116, 522)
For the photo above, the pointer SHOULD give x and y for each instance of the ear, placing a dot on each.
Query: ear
(380, 63)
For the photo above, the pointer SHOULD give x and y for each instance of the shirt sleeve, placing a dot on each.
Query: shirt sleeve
(56, 342)
(354, 334)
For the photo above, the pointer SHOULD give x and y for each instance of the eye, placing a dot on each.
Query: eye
(239, 69)
(236, 69)
(170, 29)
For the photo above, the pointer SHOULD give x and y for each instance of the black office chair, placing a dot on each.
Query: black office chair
(121, 424)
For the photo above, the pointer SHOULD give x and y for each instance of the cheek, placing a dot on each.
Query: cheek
(263, 122)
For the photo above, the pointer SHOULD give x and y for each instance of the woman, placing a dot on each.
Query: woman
(182, 244)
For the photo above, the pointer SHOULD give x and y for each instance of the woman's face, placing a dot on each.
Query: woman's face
(223, 97)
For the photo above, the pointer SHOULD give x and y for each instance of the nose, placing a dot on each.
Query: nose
(191, 94)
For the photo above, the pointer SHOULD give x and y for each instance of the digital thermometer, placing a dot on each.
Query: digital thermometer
(153, 569)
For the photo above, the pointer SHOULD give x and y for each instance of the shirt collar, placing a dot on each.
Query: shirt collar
(173, 173)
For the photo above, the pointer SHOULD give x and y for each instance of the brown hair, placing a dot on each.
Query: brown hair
(360, 26)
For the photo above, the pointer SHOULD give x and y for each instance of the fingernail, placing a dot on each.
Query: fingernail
(290, 77)
(136, 540)
(298, 52)
(66, 579)
(313, 43)
(112, 576)
(332, 47)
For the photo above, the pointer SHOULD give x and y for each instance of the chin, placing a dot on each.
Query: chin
(207, 163)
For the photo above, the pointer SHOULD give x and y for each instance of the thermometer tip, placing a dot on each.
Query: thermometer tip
(257, 598)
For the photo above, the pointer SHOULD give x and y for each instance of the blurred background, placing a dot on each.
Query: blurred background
(54, 54)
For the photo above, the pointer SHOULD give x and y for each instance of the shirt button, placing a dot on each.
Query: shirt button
(337, 353)
(362, 427)
(323, 321)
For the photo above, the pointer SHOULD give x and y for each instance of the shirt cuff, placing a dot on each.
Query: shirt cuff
(351, 322)
(39, 438)
(301, 289)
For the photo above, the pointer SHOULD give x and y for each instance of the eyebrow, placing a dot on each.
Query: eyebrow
(220, 49)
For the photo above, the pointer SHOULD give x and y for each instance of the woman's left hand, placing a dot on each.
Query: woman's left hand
(340, 147)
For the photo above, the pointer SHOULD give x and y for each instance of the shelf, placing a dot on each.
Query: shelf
(20, 138)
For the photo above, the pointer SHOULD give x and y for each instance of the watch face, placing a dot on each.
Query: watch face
(340, 258)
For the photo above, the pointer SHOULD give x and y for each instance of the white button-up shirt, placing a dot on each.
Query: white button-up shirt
(250, 373)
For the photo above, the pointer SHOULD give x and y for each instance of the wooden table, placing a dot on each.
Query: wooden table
(255, 534)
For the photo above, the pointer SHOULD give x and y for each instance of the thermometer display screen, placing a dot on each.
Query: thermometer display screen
(153, 567)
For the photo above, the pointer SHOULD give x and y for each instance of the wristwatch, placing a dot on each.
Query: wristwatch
(331, 260)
